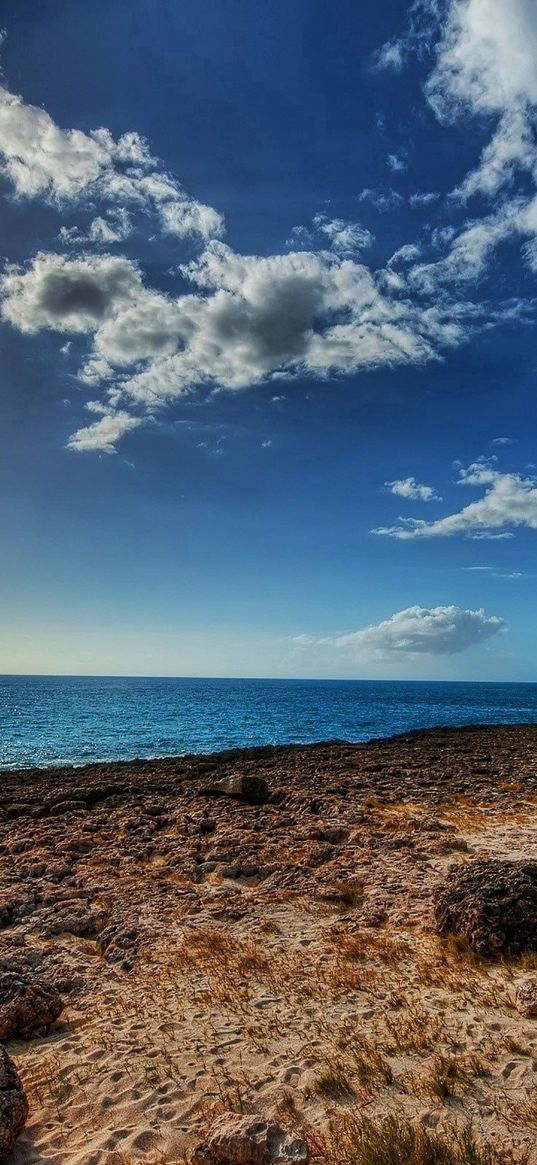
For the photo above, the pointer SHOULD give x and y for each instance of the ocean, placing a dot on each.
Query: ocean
(55, 720)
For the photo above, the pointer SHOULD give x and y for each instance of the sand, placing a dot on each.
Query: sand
(277, 958)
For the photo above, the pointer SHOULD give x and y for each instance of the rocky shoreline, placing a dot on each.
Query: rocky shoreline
(254, 933)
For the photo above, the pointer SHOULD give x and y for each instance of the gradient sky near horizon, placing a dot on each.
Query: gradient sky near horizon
(267, 338)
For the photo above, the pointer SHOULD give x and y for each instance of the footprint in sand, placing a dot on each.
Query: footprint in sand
(513, 1068)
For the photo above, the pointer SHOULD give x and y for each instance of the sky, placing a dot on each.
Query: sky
(267, 318)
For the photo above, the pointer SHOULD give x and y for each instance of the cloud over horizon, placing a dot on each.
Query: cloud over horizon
(415, 631)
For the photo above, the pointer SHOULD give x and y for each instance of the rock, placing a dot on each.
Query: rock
(8, 909)
(248, 1140)
(58, 808)
(242, 786)
(13, 1104)
(28, 1006)
(491, 904)
(332, 834)
(526, 998)
(71, 918)
(119, 945)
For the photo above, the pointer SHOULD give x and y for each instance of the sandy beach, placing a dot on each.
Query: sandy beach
(253, 932)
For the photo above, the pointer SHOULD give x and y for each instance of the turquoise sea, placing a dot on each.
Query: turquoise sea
(47, 720)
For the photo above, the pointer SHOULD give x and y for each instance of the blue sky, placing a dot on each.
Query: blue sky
(267, 338)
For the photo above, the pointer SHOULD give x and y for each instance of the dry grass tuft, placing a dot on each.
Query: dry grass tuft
(354, 1139)
(333, 1083)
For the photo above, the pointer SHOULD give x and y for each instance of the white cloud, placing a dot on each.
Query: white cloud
(511, 148)
(391, 55)
(396, 163)
(415, 631)
(344, 237)
(246, 319)
(66, 166)
(470, 251)
(495, 573)
(486, 59)
(485, 65)
(68, 295)
(382, 199)
(509, 501)
(424, 198)
(408, 487)
(103, 434)
(406, 254)
(510, 574)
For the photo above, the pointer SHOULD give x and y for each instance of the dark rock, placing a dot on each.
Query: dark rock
(491, 904)
(13, 1104)
(28, 1006)
(18, 809)
(8, 909)
(242, 786)
(61, 807)
(333, 834)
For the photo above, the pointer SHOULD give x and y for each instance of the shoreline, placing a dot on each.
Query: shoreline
(246, 750)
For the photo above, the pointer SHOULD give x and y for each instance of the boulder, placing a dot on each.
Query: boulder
(526, 998)
(242, 786)
(249, 1140)
(492, 904)
(28, 1006)
(13, 1104)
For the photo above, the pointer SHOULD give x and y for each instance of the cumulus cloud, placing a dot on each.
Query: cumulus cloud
(509, 501)
(409, 488)
(246, 319)
(235, 320)
(415, 631)
(68, 295)
(64, 166)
